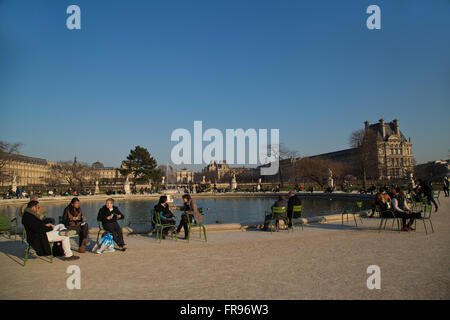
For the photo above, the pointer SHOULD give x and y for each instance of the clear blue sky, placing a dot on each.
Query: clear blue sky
(140, 69)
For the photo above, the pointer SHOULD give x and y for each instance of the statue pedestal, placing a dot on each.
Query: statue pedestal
(330, 183)
(126, 188)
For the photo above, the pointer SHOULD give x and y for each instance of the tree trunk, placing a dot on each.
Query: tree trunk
(364, 179)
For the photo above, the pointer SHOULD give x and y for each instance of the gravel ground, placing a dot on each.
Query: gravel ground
(325, 261)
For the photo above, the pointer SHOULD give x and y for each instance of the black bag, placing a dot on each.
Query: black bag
(58, 249)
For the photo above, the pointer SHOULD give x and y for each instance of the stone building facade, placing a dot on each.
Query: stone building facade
(28, 170)
(185, 176)
(391, 151)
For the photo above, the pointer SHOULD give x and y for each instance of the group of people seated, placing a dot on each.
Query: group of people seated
(41, 231)
(395, 204)
(190, 211)
(294, 200)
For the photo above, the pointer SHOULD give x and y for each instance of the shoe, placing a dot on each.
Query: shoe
(405, 229)
(85, 241)
(71, 258)
(81, 249)
(122, 248)
(412, 228)
(67, 233)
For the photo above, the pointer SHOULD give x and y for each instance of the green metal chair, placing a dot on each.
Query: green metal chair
(160, 227)
(385, 219)
(5, 226)
(100, 228)
(357, 207)
(60, 222)
(278, 210)
(200, 225)
(297, 212)
(426, 216)
(27, 250)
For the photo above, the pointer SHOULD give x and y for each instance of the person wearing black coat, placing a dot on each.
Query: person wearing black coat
(166, 216)
(39, 234)
(108, 215)
(294, 200)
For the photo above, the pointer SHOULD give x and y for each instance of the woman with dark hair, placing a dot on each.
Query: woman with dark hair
(166, 216)
(73, 219)
(190, 211)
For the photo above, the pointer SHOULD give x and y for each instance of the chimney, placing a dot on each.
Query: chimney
(383, 129)
(366, 123)
(397, 130)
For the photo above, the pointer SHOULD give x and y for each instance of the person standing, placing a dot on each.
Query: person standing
(427, 190)
(73, 219)
(108, 215)
(446, 186)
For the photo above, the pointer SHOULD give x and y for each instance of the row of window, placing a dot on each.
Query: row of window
(398, 161)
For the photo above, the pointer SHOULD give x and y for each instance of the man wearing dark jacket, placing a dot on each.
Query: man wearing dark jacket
(294, 200)
(40, 234)
(108, 215)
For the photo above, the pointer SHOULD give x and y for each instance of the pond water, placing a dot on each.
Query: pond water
(226, 210)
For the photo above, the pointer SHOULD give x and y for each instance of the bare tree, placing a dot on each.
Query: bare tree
(7, 153)
(76, 174)
(365, 143)
(316, 169)
(282, 153)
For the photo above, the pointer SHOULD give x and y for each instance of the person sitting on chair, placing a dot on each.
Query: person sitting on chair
(190, 210)
(281, 202)
(403, 211)
(73, 219)
(39, 234)
(294, 200)
(108, 215)
(166, 216)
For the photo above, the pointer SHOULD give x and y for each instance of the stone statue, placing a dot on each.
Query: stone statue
(204, 179)
(258, 187)
(163, 182)
(126, 186)
(14, 182)
(330, 179)
(412, 183)
(233, 182)
(97, 189)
